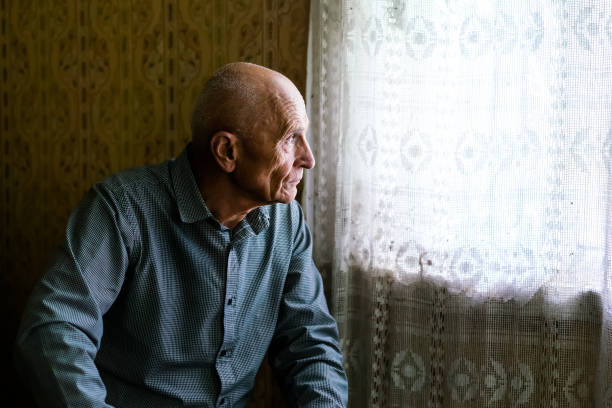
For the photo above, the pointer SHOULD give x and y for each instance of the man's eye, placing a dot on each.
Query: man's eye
(293, 138)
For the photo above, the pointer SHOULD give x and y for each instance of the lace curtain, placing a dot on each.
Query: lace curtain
(460, 206)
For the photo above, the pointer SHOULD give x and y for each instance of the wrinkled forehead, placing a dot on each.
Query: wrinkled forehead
(281, 108)
(288, 104)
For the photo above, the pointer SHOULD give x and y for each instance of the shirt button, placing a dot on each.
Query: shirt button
(223, 353)
(229, 301)
(222, 401)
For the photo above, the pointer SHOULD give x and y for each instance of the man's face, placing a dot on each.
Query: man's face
(276, 153)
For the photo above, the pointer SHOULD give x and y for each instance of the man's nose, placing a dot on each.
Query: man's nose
(306, 158)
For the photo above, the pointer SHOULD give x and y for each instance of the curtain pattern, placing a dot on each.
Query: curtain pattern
(88, 88)
(460, 203)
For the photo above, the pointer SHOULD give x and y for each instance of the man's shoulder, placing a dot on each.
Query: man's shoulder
(140, 178)
(146, 187)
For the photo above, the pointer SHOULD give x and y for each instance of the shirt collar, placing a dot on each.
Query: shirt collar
(259, 219)
(191, 205)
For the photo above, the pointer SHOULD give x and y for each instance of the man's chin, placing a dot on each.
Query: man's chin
(287, 195)
(286, 199)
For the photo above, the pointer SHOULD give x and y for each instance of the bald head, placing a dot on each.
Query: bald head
(239, 97)
(249, 144)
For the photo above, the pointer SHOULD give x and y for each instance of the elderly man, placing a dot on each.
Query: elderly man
(174, 280)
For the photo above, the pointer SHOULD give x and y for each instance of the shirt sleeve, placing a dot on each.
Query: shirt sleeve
(61, 328)
(304, 351)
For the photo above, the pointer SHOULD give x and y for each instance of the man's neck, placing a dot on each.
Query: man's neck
(220, 195)
(227, 212)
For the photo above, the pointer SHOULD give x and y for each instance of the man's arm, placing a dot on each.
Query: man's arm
(305, 352)
(61, 327)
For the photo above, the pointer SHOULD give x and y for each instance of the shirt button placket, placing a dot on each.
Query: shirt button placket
(224, 361)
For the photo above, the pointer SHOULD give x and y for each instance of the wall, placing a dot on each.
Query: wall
(92, 87)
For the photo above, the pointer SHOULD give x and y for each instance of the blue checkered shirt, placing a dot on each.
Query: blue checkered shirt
(150, 302)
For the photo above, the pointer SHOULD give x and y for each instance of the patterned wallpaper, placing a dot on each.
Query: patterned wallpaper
(88, 88)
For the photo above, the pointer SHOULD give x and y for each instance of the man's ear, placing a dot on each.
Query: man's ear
(224, 148)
